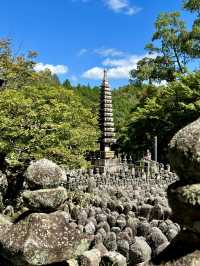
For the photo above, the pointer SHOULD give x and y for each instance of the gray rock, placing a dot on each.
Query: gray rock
(90, 258)
(92, 220)
(100, 246)
(121, 222)
(102, 232)
(101, 217)
(82, 217)
(160, 248)
(139, 251)
(145, 211)
(113, 258)
(157, 212)
(156, 238)
(163, 227)
(143, 229)
(154, 223)
(90, 228)
(112, 219)
(185, 199)
(103, 225)
(44, 174)
(116, 230)
(123, 247)
(184, 152)
(45, 199)
(98, 238)
(41, 239)
(111, 242)
(170, 234)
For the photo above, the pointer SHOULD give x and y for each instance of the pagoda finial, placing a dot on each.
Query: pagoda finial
(105, 74)
(105, 77)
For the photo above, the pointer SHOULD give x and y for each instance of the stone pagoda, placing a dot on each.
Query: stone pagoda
(107, 161)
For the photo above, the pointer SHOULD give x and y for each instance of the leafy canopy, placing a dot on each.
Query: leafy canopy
(168, 51)
(162, 113)
(49, 122)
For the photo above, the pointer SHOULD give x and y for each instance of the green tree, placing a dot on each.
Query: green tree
(16, 71)
(162, 113)
(56, 79)
(169, 47)
(194, 7)
(153, 70)
(49, 122)
(67, 84)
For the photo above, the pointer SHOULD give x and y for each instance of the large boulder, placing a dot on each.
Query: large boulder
(44, 174)
(184, 153)
(41, 239)
(186, 199)
(45, 199)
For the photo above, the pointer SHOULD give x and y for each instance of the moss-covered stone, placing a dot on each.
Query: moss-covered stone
(184, 201)
(41, 239)
(184, 153)
(44, 174)
(45, 199)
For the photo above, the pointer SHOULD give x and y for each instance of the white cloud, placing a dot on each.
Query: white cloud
(118, 6)
(93, 73)
(82, 52)
(117, 68)
(122, 6)
(55, 69)
(108, 52)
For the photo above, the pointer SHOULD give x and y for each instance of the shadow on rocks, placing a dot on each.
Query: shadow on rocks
(183, 244)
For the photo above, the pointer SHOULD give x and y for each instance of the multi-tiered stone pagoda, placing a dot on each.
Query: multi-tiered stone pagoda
(106, 123)
(107, 161)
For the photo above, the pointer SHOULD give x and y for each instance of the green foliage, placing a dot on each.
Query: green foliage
(124, 100)
(38, 117)
(67, 84)
(162, 113)
(16, 71)
(49, 122)
(170, 55)
(153, 70)
(89, 97)
(192, 6)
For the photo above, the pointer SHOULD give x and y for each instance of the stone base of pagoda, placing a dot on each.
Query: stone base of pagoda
(107, 154)
(111, 165)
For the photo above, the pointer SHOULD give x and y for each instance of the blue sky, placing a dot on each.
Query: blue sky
(77, 38)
